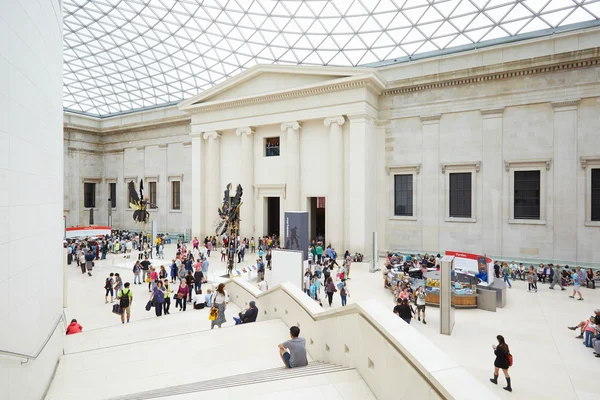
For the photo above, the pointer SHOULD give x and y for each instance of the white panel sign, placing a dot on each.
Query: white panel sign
(287, 266)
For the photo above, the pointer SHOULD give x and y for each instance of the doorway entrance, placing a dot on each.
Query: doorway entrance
(273, 215)
(316, 218)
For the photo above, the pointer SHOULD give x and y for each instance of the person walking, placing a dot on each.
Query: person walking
(420, 301)
(218, 302)
(108, 285)
(89, 262)
(505, 274)
(577, 278)
(503, 361)
(198, 277)
(145, 270)
(344, 292)
(189, 280)
(118, 283)
(329, 290)
(158, 298)
(125, 300)
(167, 303)
(556, 278)
(137, 269)
(182, 293)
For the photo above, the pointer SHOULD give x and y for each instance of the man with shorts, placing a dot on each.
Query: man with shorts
(125, 299)
(293, 351)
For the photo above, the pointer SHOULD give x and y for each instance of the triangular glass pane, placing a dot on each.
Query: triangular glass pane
(445, 8)
(554, 18)
(329, 23)
(496, 14)
(558, 4)
(343, 27)
(356, 22)
(517, 13)
(384, 19)
(354, 55)
(327, 55)
(414, 14)
(383, 52)
(495, 33)
(411, 47)
(514, 27)
(316, 6)
(427, 47)
(460, 41)
(369, 38)
(384, 41)
(340, 60)
(593, 8)
(442, 42)
(461, 23)
(464, 8)
(413, 36)
(535, 5)
(385, 5)
(480, 21)
(396, 54)
(342, 40)
(355, 44)
(315, 40)
(329, 11)
(579, 15)
(398, 34)
(476, 35)
(356, 9)
(399, 22)
(368, 58)
(313, 59)
(429, 29)
(328, 44)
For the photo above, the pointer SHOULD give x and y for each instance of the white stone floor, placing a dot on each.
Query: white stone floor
(549, 362)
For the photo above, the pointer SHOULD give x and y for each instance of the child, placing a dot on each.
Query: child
(590, 332)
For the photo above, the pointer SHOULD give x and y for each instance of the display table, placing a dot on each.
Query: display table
(458, 300)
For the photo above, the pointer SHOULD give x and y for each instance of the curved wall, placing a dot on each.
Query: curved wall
(31, 186)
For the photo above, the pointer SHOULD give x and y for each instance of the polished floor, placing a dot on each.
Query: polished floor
(549, 362)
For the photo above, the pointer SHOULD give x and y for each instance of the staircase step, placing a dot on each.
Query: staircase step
(250, 378)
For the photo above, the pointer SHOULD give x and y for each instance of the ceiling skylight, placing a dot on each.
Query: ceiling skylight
(122, 55)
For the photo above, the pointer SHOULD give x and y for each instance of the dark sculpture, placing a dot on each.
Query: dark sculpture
(229, 212)
(138, 203)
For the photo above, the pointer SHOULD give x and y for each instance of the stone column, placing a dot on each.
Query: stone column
(212, 189)
(292, 157)
(247, 181)
(198, 203)
(335, 198)
(430, 175)
(361, 220)
(492, 179)
(564, 170)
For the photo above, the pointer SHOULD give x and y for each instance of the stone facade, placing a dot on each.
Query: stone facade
(346, 132)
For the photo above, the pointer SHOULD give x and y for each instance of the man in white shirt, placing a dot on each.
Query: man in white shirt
(262, 285)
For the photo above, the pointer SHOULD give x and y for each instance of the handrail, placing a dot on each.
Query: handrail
(39, 351)
(351, 309)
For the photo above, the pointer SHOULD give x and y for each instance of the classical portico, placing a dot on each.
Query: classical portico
(237, 119)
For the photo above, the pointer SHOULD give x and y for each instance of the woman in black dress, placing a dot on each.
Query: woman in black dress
(502, 352)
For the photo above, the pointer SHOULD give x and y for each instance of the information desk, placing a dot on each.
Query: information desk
(458, 300)
(464, 291)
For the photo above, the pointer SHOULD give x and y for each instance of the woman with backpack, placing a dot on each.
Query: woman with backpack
(503, 361)
(344, 292)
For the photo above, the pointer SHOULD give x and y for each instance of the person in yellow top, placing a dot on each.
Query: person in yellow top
(125, 299)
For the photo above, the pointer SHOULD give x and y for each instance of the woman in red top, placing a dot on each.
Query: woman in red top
(182, 293)
(74, 327)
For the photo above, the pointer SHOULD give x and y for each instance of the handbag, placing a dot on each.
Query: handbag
(116, 309)
(148, 280)
(213, 314)
(510, 359)
(148, 305)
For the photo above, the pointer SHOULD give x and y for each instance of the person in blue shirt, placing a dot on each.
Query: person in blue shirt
(482, 275)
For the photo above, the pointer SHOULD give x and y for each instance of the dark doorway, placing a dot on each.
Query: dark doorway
(316, 211)
(273, 213)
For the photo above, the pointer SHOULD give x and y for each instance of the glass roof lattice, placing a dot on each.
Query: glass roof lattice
(124, 55)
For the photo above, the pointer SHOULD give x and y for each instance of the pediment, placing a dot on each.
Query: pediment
(264, 79)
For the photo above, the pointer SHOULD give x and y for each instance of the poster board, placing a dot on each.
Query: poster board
(296, 231)
(446, 309)
(472, 263)
(287, 266)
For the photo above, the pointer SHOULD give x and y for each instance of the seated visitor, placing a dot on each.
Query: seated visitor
(293, 351)
(482, 275)
(583, 324)
(199, 299)
(74, 327)
(248, 316)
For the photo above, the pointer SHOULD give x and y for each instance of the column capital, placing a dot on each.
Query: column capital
(245, 130)
(339, 120)
(211, 135)
(295, 125)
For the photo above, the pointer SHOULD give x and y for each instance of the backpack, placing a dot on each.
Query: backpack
(124, 300)
(107, 285)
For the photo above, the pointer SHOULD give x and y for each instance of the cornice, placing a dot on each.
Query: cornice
(589, 160)
(437, 81)
(129, 128)
(278, 96)
(569, 104)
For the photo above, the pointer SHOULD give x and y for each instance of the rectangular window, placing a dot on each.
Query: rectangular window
(272, 147)
(403, 195)
(595, 194)
(112, 194)
(152, 198)
(176, 195)
(129, 196)
(89, 195)
(460, 195)
(527, 195)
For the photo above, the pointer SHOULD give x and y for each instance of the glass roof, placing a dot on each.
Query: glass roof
(123, 55)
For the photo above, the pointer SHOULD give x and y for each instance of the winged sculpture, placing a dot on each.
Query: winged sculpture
(138, 203)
